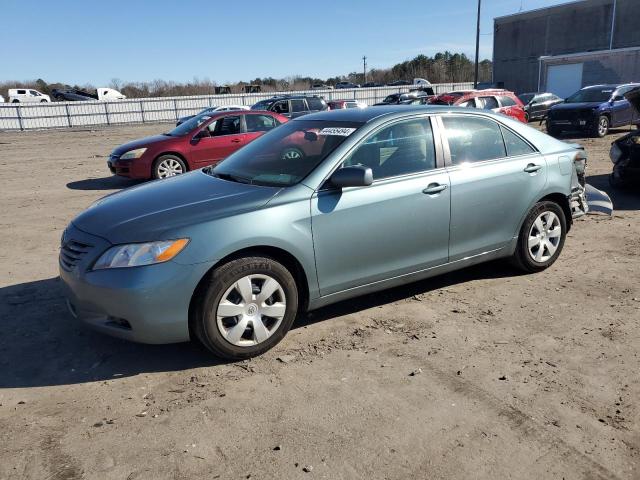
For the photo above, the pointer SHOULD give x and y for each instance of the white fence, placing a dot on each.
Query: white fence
(23, 116)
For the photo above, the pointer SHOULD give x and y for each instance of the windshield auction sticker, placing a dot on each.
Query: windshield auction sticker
(341, 132)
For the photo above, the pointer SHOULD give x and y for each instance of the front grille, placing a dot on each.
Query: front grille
(572, 115)
(72, 252)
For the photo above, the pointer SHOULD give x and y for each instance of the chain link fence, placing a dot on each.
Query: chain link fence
(24, 116)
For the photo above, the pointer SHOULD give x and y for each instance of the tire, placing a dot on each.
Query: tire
(222, 293)
(43, 101)
(15, 101)
(602, 127)
(167, 166)
(544, 217)
(292, 153)
(526, 117)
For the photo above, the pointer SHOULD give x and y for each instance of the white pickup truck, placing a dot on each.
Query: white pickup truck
(27, 95)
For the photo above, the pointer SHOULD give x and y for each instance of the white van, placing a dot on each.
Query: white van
(1, 99)
(27, 95)
(105, 93)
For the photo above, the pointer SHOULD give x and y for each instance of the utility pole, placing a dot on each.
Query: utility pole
(475, 78)
(364, 68)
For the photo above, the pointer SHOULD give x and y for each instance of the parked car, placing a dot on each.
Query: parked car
(292, 106)
(208, 110)
(201, 141)
(339, 104)
(593, 109)
(231, 254)
(76, 95)
(372, 84)
(27, 95)
(321, 86)
(392, 99)
(498, 101)
(423, 100)
(347, 85)
(625, 151)
(399, 83)
(489, 85)
(537, 105)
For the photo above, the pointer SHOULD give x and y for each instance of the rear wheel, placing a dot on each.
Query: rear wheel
(541, 237)
(15, 101)
(246, 307)
(168, 166)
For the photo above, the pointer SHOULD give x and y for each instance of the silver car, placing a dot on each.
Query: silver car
(321, 209)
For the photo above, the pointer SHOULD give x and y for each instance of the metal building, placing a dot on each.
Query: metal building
(563, 48)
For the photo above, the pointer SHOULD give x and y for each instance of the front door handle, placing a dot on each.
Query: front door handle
(235, 140)
(434, 188)
(532, 167)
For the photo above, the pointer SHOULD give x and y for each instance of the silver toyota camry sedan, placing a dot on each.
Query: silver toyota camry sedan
(323, 208)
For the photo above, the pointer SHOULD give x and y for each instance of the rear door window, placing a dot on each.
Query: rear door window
(281, 107)
(22, 92)
(226, 126)
(298, 105)
(259, 123)
(515, 145)
(473, 139)
(506, 101)
(489, 103)
(315, 103)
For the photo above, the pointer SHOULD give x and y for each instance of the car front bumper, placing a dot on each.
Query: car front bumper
(148, 304)
(579, 124)
(138, 168)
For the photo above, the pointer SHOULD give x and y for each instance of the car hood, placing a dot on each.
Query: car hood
(142, 142)
(633, 96)
(576, 106)
(154, 209)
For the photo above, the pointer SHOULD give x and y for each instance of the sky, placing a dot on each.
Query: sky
(80, 42)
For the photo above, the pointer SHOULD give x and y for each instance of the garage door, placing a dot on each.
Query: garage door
(563, 80)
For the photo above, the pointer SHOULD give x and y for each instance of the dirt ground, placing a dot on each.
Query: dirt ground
(483, 373)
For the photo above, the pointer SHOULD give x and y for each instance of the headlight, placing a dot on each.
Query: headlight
(131, 154)
(615, 153)
(138, 254)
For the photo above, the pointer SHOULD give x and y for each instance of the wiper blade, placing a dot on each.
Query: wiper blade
(231, 178)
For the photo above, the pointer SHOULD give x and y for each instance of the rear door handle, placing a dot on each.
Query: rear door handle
(532, 167)
(434, 188)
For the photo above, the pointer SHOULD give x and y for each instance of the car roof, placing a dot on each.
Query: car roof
(364, 115)
(610, 85)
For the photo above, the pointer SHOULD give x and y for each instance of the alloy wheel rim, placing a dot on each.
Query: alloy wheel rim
(602, 126)
(544, 237)
(169, 168)
(251, 310)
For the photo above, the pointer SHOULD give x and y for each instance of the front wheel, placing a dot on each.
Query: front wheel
(541, 237)
(602, 127)
(246, 307)
(168, 166)
(15, 101)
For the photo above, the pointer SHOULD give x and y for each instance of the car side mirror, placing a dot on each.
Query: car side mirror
(311, 136)
(204, 133)
(617, 98)
(355, 176)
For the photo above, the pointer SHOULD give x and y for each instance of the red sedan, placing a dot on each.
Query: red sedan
(201, 141)
(499, 101)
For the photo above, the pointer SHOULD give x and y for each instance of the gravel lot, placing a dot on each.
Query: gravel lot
(483, 373)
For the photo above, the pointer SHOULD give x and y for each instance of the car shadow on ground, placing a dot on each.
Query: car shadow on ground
(106, 183)
(627, 198)
(43, 345)
(578, 135)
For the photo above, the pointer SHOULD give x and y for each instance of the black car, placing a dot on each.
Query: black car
(347, 85)
(372, 84)
(292, 106)
(594, 110)
(73, 95)
(536, 105)
(399, 83)
(625, 151)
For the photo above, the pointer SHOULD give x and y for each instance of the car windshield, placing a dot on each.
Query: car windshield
(591, 95)
(189, 125)
(526, 97)
(285, 155)
(263, 105)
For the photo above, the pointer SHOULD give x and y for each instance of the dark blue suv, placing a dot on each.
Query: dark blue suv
(593, 109)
